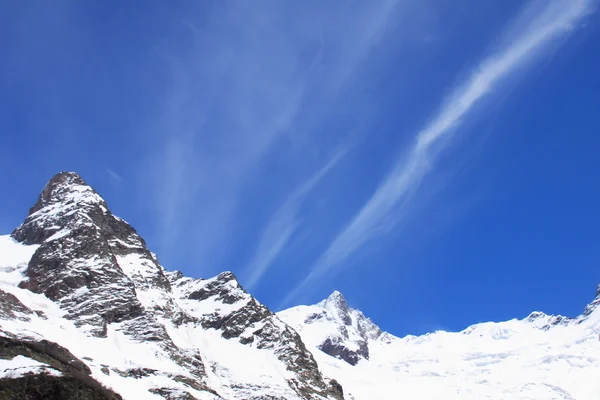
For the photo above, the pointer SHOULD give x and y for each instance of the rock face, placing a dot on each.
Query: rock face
(100, 278)
(54, 373)
(12, 308)
(79, 241)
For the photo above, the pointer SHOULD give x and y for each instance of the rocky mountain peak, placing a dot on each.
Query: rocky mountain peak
(95, 268)
(337, 306)
(85, 251)
(66, 202)
(336, 329)
(66, 187)
(337, 299)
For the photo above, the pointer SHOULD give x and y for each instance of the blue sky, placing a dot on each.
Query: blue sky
(435, 161)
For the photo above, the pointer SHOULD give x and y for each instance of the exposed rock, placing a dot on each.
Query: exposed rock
(74, 381)
(336, 389)
(338, 350)
(48, 387)
(11, 307)
(220, 289)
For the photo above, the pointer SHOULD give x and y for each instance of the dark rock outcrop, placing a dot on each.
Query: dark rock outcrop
(72, 382)
(338, 350)
(11, 307)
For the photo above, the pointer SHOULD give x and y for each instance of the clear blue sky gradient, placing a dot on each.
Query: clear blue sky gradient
(247, 136)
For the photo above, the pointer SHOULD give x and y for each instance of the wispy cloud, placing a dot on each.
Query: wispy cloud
(541, 25)
(252, 79)
(117, 177)
(282, 226)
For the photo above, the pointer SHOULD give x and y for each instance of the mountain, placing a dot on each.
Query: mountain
(88, 312)
(539, 357)
(334, 328)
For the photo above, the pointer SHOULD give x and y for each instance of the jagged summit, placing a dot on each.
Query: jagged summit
(336, 295)
(335, 328)
(85, 251)
(337, 306)
(335, 298)
(65, 202)
(66, 187)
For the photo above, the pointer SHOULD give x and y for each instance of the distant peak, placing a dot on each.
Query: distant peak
(337, 305)
(336, 294)
(336, 297)
(335, 300)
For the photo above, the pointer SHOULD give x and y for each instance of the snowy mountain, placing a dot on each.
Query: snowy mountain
(88, 312)
(539, 357)
(334, 328)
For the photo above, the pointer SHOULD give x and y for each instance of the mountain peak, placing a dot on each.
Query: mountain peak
(337, 305)
(336, 295)
(63, 179)
(335, 298)
(67, 176)
(65, 201)
(66, 187)
(335, 328)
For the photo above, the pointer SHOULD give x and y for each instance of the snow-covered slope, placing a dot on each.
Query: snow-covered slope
(540, 357)
(86, 307)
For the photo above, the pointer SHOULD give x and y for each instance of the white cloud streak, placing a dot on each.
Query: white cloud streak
(546, 23)
(117, 177)
(253, 78)
(282, 226)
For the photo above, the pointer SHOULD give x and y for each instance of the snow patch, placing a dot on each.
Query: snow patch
(21, 366)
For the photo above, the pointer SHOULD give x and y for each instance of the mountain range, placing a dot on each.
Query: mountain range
(88, 312)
